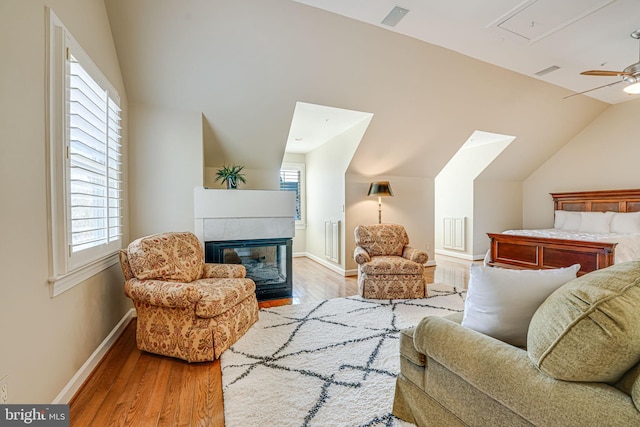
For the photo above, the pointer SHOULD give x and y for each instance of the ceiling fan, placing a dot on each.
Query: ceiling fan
(630, 75)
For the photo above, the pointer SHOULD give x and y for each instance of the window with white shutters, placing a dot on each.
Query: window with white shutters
(292, 179)
(85, 163)
(95, 167)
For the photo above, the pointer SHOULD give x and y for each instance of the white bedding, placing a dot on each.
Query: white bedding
(627, 248)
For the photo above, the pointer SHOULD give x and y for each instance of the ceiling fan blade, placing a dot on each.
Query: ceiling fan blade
(604, 73)
(595, 88)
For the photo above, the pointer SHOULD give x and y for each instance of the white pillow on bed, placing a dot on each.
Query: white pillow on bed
(572, 221)
(625, 222)
(501, 302)
(595, 222)
(559, 218)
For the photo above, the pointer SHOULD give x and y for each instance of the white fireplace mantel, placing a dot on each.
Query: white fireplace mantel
(243, 214)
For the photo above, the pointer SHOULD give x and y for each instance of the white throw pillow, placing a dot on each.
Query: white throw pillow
(595, 222)
(501, 302)
(625, 222)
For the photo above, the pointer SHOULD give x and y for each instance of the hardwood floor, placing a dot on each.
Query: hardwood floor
(134, 388)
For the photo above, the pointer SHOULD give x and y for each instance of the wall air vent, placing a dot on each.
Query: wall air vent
(396, 14)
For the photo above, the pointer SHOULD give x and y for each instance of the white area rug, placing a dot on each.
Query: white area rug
(332, 363)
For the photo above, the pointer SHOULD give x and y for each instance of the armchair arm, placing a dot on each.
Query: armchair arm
(506, 374)
(415, 255)
(221, 271)
(161, 293)
(360, 255)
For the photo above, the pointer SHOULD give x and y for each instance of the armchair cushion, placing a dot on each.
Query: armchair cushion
(218, 295)
(168, 256)
(391, 265)
(589, 329)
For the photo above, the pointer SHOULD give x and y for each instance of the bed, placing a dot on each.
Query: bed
(592, 228)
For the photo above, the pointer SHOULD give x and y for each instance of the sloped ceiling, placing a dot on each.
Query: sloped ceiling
(245, 63)
(525, 36)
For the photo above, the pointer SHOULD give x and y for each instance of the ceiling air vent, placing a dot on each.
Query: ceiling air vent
(396, 14)
(547, 70)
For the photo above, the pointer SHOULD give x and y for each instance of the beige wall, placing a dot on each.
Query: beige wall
(44, 340)
(603, 156)
(497, 207)
(166, 149)
(411, 206)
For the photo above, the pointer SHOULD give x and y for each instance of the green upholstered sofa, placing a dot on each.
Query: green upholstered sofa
(580, 367)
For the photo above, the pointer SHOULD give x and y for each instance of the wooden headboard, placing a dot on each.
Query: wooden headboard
(598, 201)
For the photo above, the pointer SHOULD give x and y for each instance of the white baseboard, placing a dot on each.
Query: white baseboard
(331, 266)
(466, 257)
(85, 370)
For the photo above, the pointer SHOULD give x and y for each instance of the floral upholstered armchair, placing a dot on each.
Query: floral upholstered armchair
(388, 268)
(186, 308)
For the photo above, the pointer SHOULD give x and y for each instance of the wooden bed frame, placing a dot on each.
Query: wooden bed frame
(513, 251)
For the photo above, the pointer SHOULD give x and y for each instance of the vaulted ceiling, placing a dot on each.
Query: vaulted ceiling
(527, 36)
(244, 64)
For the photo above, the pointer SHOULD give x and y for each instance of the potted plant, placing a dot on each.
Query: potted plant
(230, 175)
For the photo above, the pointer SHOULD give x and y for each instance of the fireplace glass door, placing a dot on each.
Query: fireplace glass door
(267, 261)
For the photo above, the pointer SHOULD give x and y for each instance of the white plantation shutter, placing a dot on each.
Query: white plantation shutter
(94, 162)
(85, 163)
(292, 179)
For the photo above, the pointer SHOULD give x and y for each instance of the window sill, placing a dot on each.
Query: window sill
(64, 282)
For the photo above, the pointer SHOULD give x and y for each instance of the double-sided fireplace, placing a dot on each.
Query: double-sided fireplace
(254, 228)
(267, 261)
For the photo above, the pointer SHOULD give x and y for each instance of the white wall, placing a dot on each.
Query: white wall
(603, 156)
(300, 239)
(325, 173)
(457, 195)
(44, 341)
(166, 149)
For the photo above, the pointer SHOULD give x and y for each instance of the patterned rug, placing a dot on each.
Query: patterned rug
(331, 363)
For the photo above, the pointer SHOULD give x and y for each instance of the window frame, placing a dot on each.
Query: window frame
(67, 269)
(299, 167)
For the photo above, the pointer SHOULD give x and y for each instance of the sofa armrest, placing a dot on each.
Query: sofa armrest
(506, 374)
(223, 271)
(415, 255)
(161, 293)
(360, 255)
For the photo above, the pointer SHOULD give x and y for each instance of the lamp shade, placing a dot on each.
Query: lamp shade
(380, 189)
